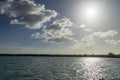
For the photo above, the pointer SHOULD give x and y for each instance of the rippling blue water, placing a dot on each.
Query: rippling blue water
(59, 68)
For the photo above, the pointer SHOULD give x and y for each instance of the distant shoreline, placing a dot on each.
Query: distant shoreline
(61, 55)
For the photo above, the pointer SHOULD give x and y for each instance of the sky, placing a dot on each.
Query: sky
(59, 26)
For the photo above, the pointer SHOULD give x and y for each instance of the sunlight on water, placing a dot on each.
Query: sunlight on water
(90, 68)
(91, 61)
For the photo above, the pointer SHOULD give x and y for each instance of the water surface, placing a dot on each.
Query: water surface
(58, 68)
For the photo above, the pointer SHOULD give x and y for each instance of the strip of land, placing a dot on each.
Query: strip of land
(62, 55)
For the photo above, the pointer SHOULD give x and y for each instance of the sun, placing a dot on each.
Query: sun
(91, 12)
(88, 13)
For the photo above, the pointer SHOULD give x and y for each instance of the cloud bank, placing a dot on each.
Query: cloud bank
(91, 39)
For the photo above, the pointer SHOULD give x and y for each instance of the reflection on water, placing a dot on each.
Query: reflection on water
(91, 68)
(59, 68)
(97, 68)
(88, 68)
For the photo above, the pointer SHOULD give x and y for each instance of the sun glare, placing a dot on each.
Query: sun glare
(91, 60)
(91, 12)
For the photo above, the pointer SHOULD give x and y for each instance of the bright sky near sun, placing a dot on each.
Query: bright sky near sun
(91, 12)
(60, 26)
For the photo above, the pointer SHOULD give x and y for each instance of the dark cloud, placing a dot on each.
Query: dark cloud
(61, 39)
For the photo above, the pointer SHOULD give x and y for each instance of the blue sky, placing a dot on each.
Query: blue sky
(59, 26)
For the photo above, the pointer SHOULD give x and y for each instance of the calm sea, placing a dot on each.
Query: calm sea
(59, 68)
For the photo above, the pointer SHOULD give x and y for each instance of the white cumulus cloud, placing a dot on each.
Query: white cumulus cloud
(27, 12)
(93, 39)
(58, 31)
(113, 42)
(110, 33)
(85, 42)
(82, 26)
(88, 30)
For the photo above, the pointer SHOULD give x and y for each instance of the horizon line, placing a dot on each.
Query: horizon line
(64, 55)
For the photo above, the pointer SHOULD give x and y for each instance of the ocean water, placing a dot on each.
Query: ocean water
(59, 68)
